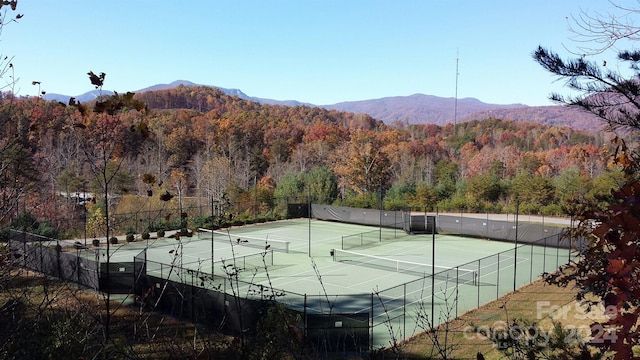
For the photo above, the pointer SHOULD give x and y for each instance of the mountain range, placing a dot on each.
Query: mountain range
(413, 109)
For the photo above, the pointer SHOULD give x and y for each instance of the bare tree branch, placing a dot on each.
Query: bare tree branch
(598, 32)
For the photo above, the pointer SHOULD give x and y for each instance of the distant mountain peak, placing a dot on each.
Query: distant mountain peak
(86, 97)
(182, 82)
(417, 108)
(413, 109)
(170, 85)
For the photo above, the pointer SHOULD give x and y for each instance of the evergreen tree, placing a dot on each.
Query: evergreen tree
(608, 274)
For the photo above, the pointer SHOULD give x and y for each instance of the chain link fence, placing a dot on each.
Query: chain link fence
(346, 324)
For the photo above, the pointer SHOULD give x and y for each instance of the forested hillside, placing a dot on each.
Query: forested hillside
(198, 143)
(419, 108)
(558, 115)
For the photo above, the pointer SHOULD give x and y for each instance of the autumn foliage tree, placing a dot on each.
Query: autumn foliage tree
(364, 166)
(225, 145)
(608, 276)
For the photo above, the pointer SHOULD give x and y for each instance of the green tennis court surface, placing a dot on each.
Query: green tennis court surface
(279, 253)
(383, 274)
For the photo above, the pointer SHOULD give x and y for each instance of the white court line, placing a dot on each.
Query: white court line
(510, 265)
(404, 251)
(423, 296)
(340, 269)
(355, 287)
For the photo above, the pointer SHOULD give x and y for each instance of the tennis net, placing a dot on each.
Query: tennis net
(372, 237)
(248, 240)
(460, 275)
(256, 260)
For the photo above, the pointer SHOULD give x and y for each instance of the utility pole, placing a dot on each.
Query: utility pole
(455, 104)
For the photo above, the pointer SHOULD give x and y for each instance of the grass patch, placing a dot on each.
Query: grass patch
(537, 302)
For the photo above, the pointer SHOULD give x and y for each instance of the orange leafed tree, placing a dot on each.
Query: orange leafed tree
(363, 166)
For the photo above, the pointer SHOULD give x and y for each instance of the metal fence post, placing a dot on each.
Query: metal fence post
(498, 278)
(569, 250)
(544, 255)
(404, 311)
(193, 300)
(78, 265)
(305, 320)
(478, 283)
(531, 265)
(558, 253)
(371, 325)
(457, 287)
(515, 248)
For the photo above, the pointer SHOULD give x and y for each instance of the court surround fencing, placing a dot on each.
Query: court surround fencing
(352, 323)
(45, 255)
(425, 223)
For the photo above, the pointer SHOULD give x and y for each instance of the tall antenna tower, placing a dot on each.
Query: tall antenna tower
(455, 104)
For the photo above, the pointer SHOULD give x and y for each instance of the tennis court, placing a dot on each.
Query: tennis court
(279, 253)
(328, 268)
(353, 288)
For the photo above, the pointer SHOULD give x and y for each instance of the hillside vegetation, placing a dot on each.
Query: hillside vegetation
(202, 144)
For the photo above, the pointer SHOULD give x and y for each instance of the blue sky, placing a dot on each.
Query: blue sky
(321, 52)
